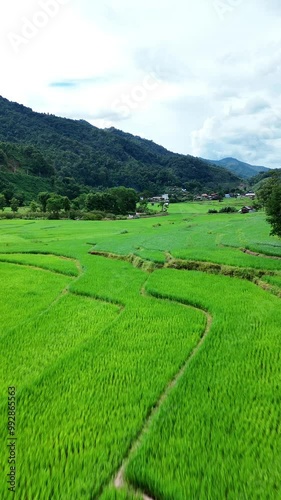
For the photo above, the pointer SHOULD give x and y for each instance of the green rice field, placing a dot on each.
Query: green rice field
(145, 356)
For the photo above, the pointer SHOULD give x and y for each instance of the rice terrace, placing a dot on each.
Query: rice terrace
(145, 356)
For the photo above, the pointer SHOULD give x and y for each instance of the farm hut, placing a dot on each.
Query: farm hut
(246, 210)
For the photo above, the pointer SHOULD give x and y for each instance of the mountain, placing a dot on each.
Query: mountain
(239, 168)
(76, 157)
(23, 169)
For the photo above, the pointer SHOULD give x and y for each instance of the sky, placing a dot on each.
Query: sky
(199, 77)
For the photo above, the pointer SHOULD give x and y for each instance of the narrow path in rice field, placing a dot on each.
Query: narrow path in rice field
(146, 426)
(119, 481)
(66, 290)
(11, 258)
(38, 268)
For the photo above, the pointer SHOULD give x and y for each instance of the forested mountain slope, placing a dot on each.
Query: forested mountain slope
(75, 155)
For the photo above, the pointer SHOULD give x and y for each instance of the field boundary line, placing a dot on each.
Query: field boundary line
(250, 274)
(75, 261)
(132, 258)
(66, 290)
(209, 267)
(98, 298)
(37, 268)
(268, 287)
(120, 481)
(74, 349)
(259, 254)
(61, 294)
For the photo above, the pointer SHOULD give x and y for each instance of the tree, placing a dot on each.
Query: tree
(264, 191)
(93, 201)
(33, 206)
(2, 202)
(43, 199)
(273, 210)
(14, 204)
(163, 205)
(269, 195)
(126, 199)
(8, 193)
(66, 203)
(54, 204)
(80, 202)
(119, 200)
(143, 206)
(20, 197)
(105, 202)
(67, 186)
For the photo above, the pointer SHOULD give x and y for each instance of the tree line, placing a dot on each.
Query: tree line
(75, 157)
(269, 194)
(117, 201)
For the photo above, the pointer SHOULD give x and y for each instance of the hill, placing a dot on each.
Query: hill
(23, 170)
(239, 168)
(78, 157)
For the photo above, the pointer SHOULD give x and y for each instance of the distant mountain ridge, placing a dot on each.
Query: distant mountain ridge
(78, 157)
(239, 168)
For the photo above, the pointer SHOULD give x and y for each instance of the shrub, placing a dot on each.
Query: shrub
(227, 210)
(11, 215)
(75, 214)
(93, 215)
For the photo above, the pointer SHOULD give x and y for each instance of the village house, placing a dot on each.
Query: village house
(158, 199)
(251, 195)
(246, 210)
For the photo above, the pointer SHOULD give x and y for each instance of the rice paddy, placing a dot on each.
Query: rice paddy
(168, 377)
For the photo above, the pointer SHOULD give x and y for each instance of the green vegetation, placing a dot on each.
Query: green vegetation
(105, 377)
(272, 201)
(273, 280)
(222, 419)
(71, 157)
(240, 168)
(95, 344)
(23, 294)
(51, 262)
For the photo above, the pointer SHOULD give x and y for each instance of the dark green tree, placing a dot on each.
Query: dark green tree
(33, 206)
(93, 201)
(66, 203)
(79, 203)
(273, 210)
(8, 193)
(265, 190)
(67, 186)
(15, 204)
(143, 206)
(126, 199)
(21, 197)
(43, 199)
(55, 204)
(2, 202)
(269, 195)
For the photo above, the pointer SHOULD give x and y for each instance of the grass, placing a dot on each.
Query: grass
(60, 329)
(84, 373)
(91, 352)
(218, 434)
(273, 280)
(24, 295)
(49, 262)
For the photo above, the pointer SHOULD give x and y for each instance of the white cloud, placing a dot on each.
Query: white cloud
(188, 80)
